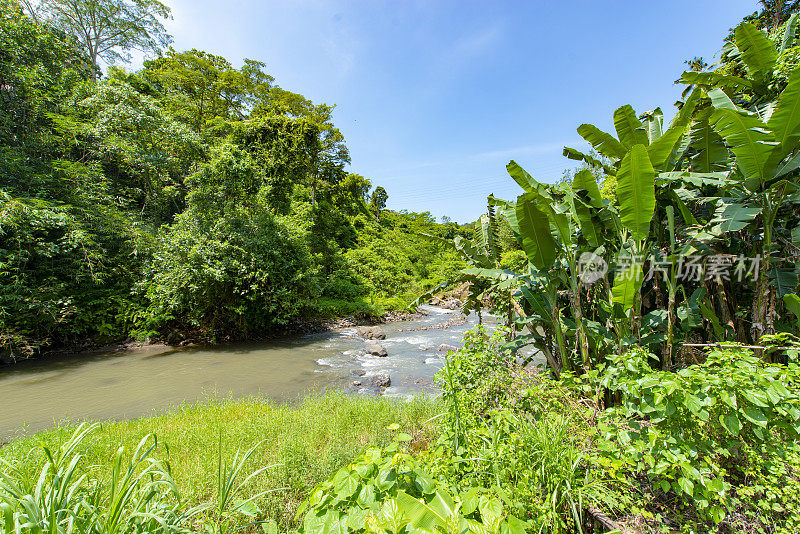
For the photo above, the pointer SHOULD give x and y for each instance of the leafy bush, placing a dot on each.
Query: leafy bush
(696, 432)
(385, 490)
(236, 275)
(517, 433)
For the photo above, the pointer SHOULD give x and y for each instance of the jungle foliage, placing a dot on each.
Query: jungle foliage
(189, 198)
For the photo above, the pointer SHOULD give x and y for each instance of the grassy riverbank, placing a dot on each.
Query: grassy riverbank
(309, 441)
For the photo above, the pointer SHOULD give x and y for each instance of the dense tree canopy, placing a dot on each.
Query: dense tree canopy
(187, 198)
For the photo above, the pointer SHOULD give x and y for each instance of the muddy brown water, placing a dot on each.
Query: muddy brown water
(127, 384)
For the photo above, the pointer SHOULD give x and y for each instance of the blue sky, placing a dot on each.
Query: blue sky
(435, 97)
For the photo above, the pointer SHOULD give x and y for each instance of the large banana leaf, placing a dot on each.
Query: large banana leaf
(733, 217)
(788, 166)
(750, 141)
(577, 155)
(710, 152)
(792, 303)
(471, 253)
(629, 128)
(721, 100)
(716, 79)
(583, 204)
(508, 209)
(790, 32)
(699, 179)
(584, 180)
(653, 122)
(603, 142)
(627, 282)
(662, 149)
(534, 229)
(785, 120)
(636, 192)
(525, 180)
(488, 235)
(758, 52)
(583, 212)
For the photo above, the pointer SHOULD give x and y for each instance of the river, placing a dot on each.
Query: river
(126, 384)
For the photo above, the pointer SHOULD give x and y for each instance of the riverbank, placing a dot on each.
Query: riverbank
(307, 441)
(133, 381)
(186, 338)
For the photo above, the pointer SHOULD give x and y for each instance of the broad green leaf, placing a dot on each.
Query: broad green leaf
(731, 423)
(790, 32)
(491, 510)
(516, 526)
(785, 120)
(758, 52)
(345, 484)
(584, 180)
(686, 485)
(366, 497)
(393, 517)
(508, 209)
(534, 229)
(783, 279)
(792, 303)
(662, 150)
(386, 479)
(653, 122)
(721, 100)
(429, 516)
(577, 155)
(636, 192)
(716, 79)
(629, 128)
(750, 141)
(790, 165)
(755, 416)
(733, 217)
(627, 282)
(525, 180)
(711, 154)
(603, 142)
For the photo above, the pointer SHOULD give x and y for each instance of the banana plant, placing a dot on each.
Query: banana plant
(762, 133)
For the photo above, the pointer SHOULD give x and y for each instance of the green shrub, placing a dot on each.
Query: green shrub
(238, 274)
(385, 490)
(694, 433)
(518, 433)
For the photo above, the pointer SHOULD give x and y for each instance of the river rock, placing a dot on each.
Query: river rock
(381, 381)
(452, 304)
(356, 383)
(444, 347)
(371, 332)
(359, 372)
(376, 349)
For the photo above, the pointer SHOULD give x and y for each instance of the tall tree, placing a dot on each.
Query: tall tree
(378, 201)
(109, 29)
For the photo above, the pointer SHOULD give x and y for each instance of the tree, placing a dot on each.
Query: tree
(109, 29)
(378, 201)
(205, 91)
(332, 154)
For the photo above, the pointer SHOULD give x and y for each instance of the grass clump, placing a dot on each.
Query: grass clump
(303, 443)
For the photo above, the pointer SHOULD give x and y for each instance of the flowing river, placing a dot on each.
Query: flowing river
(127, 384)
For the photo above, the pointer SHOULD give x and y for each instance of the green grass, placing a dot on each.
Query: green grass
(309, 440)
(326, 308)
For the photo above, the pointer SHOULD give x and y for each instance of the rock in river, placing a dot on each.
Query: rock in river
(371, 332)
(381, 381)
(376, 349)
(444, 347)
